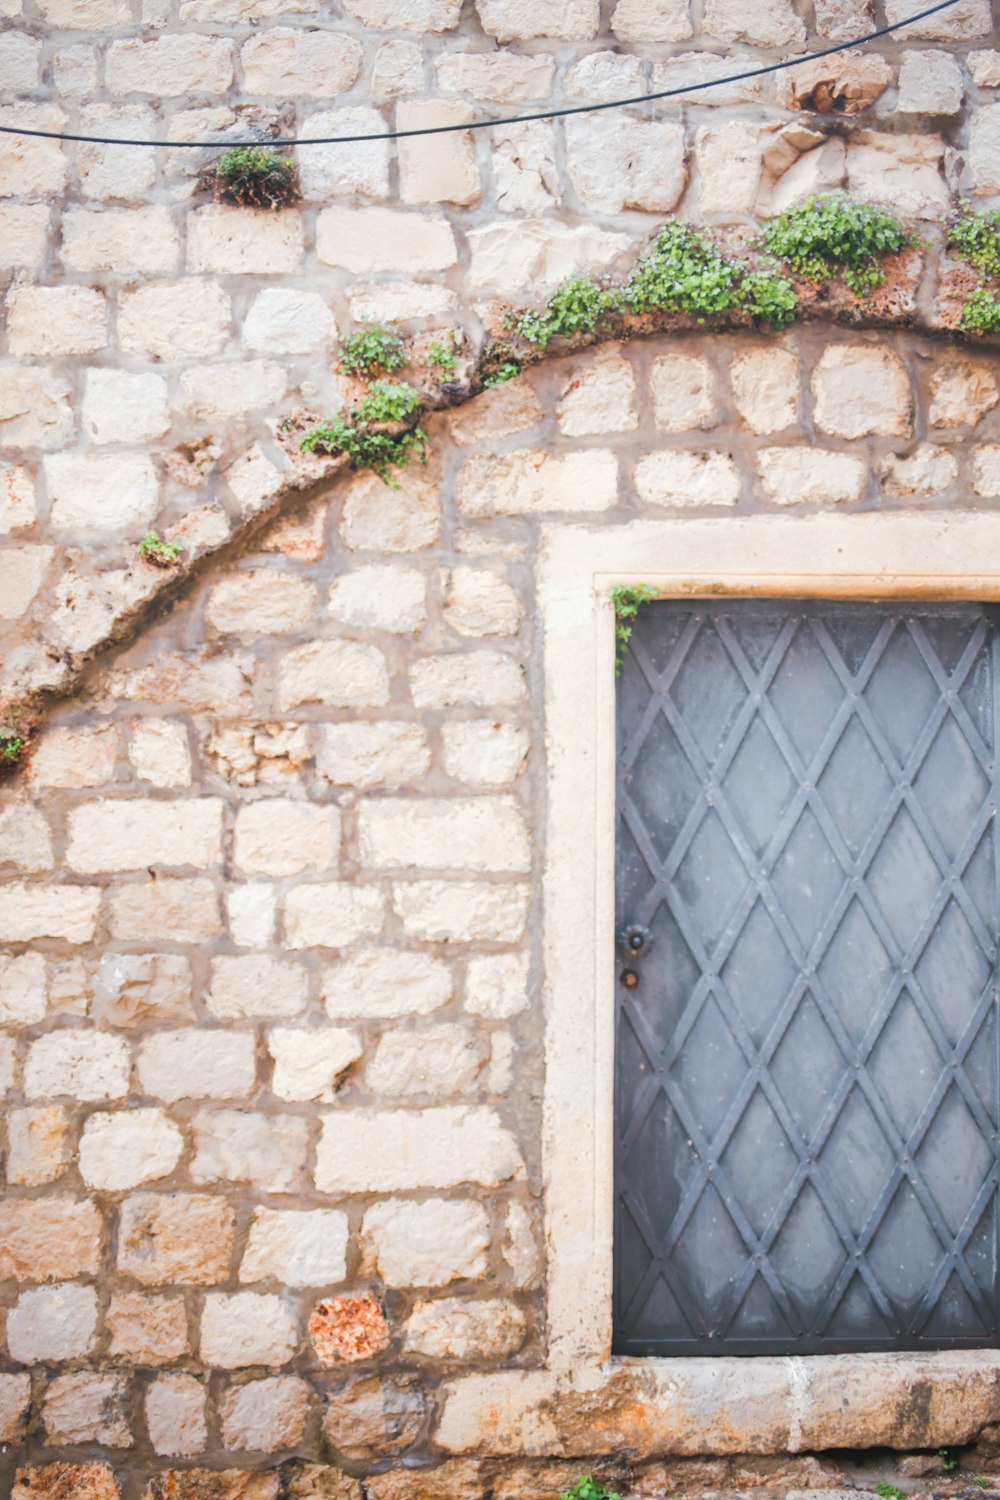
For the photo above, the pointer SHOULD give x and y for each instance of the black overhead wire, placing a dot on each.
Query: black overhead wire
(546, 114)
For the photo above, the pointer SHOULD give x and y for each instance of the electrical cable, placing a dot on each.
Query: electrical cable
(548, 114)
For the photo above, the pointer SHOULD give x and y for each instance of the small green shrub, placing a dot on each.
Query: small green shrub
(11, 746)
(442, 356)
(509, 370)
(769, 297)
(374, 347)
(255, 177)
(981, 312)
(981, 1481)
(684, 272)
(976, 237)
(589, 1488)
(361, 435)
(889, 1491)
(949, 1459)
(155, 550)
(628, 599)
(826, 236)
(578, 306)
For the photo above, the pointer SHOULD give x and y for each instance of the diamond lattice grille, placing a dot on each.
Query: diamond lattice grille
(807, 1067)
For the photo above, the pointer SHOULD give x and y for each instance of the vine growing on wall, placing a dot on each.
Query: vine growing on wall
(974, 235)
(628, 599)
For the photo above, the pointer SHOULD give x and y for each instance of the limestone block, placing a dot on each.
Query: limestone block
(535, 254)
(496, 985)
(683, 395)
(87, 1065)
(364, 240)
(769, 23)
(478, 603)
(327, 172)
(24, 571)
(123, 172)
(286, 321)
(961, 392)
(332, 915)
(52, 1322)
(240, 241)
(159, 752)
(59, 911)
(602, 76)
(86, 15)
(254, 480)
(426, 1244)
(8, 1059)
(363, 754)
(123, 239)
(983, 160)
(517, 484)
(930, 82)
(101, 492)
(15, 1400)
(185, 1238)
(216, 393)
(23, 986)
(381, 520)
(969, 19)
(500, 77)
(651, 21)
(29, 167)
(615, 162)
(729, 160)
(252, 985)
(75, 757)
(810, 476)
(147, 1330)
(127, 1148)
(848, 83)
(766, 388)
(927, 471)
(986, 471)
(521, 20)
(45, 1239)
(860, 389)
(985, 69)
(525, 168)
(288, 63)
(17, 498)
(676, 477)
(405, 15)
(343, 674)
(285, 837)
(308, 1064)
(381, 598)
(386, 1151)
(175, 320)
(437, 1062)
(472, 679)
(265, 1415)
(520, 1249)
(485, 834)
(261, 602)
(904, 170)
(20, 63)
(398, 69)
(24, 233)
(842, 20)
(197, 1064)
(267, 1151)
(400, 301)
(133, 834)
(687, 68)
(508, 408)
(382, 984)
(40, 1482)
(175, 1416)
(39, 1148)
(130, 988)
(246, 1328)
(56, 320)
(179, 911)
(296, 1247)
(441, 911)
(464, 1328)
(598, 397)
(119, 407)
(438, 169)
(170, 66)
(87, 1408)
(74, 71)
(25, 841)
(251, 910)
(484, 753)
(34, 408)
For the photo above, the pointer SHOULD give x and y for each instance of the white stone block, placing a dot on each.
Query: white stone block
(342, 674)
(124, 239)
(119, 407)
(443, 911)
(53, 320)
(234, 1145)
(860, 389)
(381, 984)
(24, 232)
(437, 169)
(537, 482)
(364, 240)
(766, 388)
(249, 985)
(246, 1328)
(676, 477)
(385, 753)
(327, 172)
(522, 20)
(296, 1247)
(496, 985)
(159, 752)
(381, 598)
(135, 833)
(385, 1151)
(484, 753)
(308, 1062)
(332, 915)
(30, 911)
(426, 1244)
(170, 66)
(683, 394)
(101, 492)
(52, 1323)
(224, 241)
(86, 1065)
(122, 1150)
(176, 320)
(615, 162)
(472, 679)
(811, 476)
(197, 1064)
(287, 62)
(485, 834)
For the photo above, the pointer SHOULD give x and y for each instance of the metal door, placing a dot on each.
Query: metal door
(807, 1043)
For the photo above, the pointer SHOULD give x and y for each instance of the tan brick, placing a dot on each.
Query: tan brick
(385, 1151)
(176, 1237)
(119, 407)
(24, 231)
(47, 1239)
(617, 163)
(522, 20)
(34, 408)
(652, 20)
(501, 77)
(327, 172)
(766, 388)
(598, 396)
(411, 15)
(25, 840)
(508, 408)
(683, 395)
(159, 752)
(436, 1062)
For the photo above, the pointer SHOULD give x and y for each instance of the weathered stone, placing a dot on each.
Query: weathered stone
(985, 69)
(651, 21)
(683, 396)
(83, 1064)
(170, 66)
(254, 985)
(177, 320)
(441, 911)
(24, 230)
(675, 477)
(810, 476)
(860, 389)
(440, 169)
(25, 841)
(729, 158)
(23, 989)
(284, 837)
(67, 1481)
(142, 240)
(227, 241)
(496, 985)
(968, 19)
(197, 1064)
(961, 392)
(382, 984)
(175, 1237)
(33, 911)
(385, 1151)
(289, 62)
(265, 1415)
(133, 834)
(388, 302)
(521, 20)
(766, 388)
(384, 239)
(332, 915)
(986, 471)
(842, 20)
(407, 15)
(599, 396)
(484, 753)
(191, 680)
(437, 1062)
(17, 498)
(45, 1239)
(348, 1329)
(254, 480)
(251, 910)
(246, 1328)
(381, 598)
(39, 1147)
(34, 409)
(232, 1145)
(175, 1416)
(398, 69)
(904, 170)
(534, 254)
(119, 407)
(616, 163)
(87, 1408)
(147, 1330)
(927, 471)
(497, 413)
(285, 321)
(381, 520)
(771, 23)
(101, 492)
(263, 753)
(135, 987)
(15, 1400)
(130, 1147)
(125, 172)
(386, 754)
(308, 1063)
(52, 1323)
(464, 1328)
(525, 170)
(930, 83)
(846, 83)
(56, 320)
(296, 1247)
(514, 484)
(24, 572)
(501, 77)
(172, 910)
(32, 168)
(213, 1484)
(20, 62)
(371, 1420)
(520, 1248)
(343, 674)
(327, 172)
(215, 393)
(426, 1244)
(158, 750)
(687, 68)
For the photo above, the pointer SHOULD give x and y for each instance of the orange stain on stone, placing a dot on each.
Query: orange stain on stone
(346, 1329)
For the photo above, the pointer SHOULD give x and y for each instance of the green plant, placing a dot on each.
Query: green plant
(155, 550)
(578, 306)
(628, 599)
(981, 1481)
(509, 370)
(684, 272)
(589, 1488)
(975, 234)
(889, 1491)
(255, 177)
(362, 436)
(824, 236)
(949, 1459)
(442, 356)
(980, 312)
(374, 347)
(769, 297)
(11, 746)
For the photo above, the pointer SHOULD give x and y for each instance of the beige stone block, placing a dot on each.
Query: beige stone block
(254, 480)
(508, 408)
(124, 239)
(180, 911)
(75, 757)
(525, 170)
(224, 241)
(8, 1059)
(159, 752)
(651, 21)
(860, 389)
(34, 408)
(850, 82)
(520, 1249)
(15, 1401)
(500, 77)
(536, 482)
(24, 233)
(443, 911)
(343, 674)
(86, 15)
(327, 172)
(986, 471)
(17, 497)
(385, 754)
(32, 167)
(288, 63)
(600, 77)
(904, 170)
(251, 910)
(380, 520)
(122, 172)
(398, 69)
(23, 989)
(101, 492)
(261, 602)
(686, 68)
(426, 1244)
(39, 1146)
(407, 15)
(52, 1323)
(968, 19)
(729, 160)
(44, 1239)
(332, 915)
(810, 476)
(252, 985)
(365, 240)
(246, 1328)
(87, 1065)
(465, 1328)
(985, 68)
(132, 988)
(147, 1330)
(961, 392)
(175, 1416)
(598, 397)
(473, 679)
(485, 834)
(267, 1151)
(270, 754)
(683, 395)
(170, 66)
(927, 471)
(381, 598)
(386, 1151)
(24, 572)
(119, 407)
(296, 1247)
(522, 20)
(192, 679)
(288, 321)
(766, 388)
(138, 832)
(127, 1148)
(400, 301)
(769, 23)
(496, 985)
(309, 1063)
(197, 1064)
(616, 163)
(216, 393)
(285, 837)
(440, 169)
(30, 911)
(437, 1062)
(381, 984)
(175, 320)
(54, 320)
(265, 1415)
(25, 841)
(677, 477)
(478, 603)
(169, 1238)
(930, 83)
(87, 1408)
(20, 62)
(483, 753)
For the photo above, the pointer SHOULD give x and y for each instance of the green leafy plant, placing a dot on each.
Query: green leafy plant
(362, 435)
(628, 599)
(980, 312)
(769, 297)
(981, 1481)
(825, 236)
(975, 234)
(889, 1491)
(578, 306)
(255, 177)
(683, 272)
(441, 355)
(949, 1459)
(11, 746)
(158, 552)
(374, 347)
(589, 1488)
(509, 370)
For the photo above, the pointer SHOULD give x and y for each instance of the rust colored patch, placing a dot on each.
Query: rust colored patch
(345, 1329)
(66, 1482)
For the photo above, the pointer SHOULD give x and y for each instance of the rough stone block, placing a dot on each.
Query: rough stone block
(17, 496)
(676, 477)
(47, 1239)
(387, 1151)
(24, 229)
(246, 1328)
(474, 679)
(139, 832)
(265, 1415)
(386, 754)
(253, 985)
(403, 520)
(426, 1244)
(455, 911)
(39, 1147)
(86, 1065)
(904, 170)
(766, 388)
(598, 397)
(770, 23)
(24, 572)
(408, 15)
(57, 911)
(652, 21)
(327, 172)
(383, 984)
(55, 320)
(439, 169)
(119, 407)
(522, 20)
(437, 1062)
(25, 841)
(288, 63)
(127, 1148)
(147, 1330)
(52, 1323)
(927, 471)
(197, 1064)
(496, 985)
(398, 68)
(284, 837)
(23, 989)
(216, 393)
(175, 1416)
(34, 408)
(67, 1481)
(985, 69)
(486, 834)
(101, 492)
(465, 1328)
(343, 674)
(87, 1408)
(180, 911)
(267, 1151)
(20, 62)
(508, 408)
(308, 1063)
(175, 320)
(225, 241)
(286, 320)
(970, 18)
(986, 471)
(961, 392)
(615, 163)
(860, 389)
(483, 753)
(478, 603)
(810, 476)
(500, 77)
(142, 240)
(332, 915)
(298, 1247)
(930, 83)
(170, 66)
(381, 598)
(516, 484)
(683, 394)
(384, 239)
(15, 1400)
(185, 1238)
(159, 752)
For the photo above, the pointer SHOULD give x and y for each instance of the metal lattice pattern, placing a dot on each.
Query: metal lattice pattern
(807, 1064)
